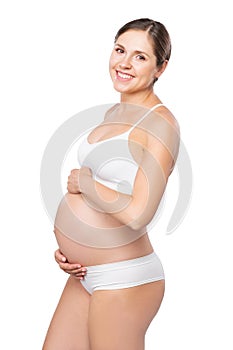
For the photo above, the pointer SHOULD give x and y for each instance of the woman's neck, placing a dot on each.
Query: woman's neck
(142, 98)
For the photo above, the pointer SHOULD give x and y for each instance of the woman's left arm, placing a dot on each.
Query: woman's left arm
(137, 210)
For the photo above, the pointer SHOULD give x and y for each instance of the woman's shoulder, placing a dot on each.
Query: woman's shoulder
(166, 116)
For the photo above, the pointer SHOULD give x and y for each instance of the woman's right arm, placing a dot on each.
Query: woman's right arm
(76, 270)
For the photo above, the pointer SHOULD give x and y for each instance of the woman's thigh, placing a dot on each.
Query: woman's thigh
(68, 329)
(118, 319)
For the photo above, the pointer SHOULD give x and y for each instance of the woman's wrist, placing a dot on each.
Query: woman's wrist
(85, 179)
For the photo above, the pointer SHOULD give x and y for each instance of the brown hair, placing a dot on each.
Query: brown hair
(158, 34)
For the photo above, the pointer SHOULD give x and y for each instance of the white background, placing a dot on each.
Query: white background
(54, 64)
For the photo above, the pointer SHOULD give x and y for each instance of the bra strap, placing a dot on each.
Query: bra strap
(158, 105)
(147, 113)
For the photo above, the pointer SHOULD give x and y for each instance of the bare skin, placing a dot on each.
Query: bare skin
(69, 326)
(107, 320)
(111, 319)
(118, 319)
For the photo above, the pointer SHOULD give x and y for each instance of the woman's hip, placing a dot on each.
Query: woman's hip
(124, 274)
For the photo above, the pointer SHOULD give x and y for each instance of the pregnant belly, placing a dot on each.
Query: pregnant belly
(90, 237)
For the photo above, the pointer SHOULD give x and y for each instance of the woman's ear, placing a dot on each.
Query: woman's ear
(161, 69)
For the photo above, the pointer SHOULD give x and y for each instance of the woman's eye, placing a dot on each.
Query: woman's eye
(140, 57)
(118, 50)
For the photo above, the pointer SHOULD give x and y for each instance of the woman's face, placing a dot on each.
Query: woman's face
(132, 63)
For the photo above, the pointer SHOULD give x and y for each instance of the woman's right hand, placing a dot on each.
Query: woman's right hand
(73, 182)
(75, 270)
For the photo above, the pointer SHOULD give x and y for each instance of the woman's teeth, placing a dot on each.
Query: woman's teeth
(124, 76)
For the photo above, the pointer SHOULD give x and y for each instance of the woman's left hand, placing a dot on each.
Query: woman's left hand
(75, 270)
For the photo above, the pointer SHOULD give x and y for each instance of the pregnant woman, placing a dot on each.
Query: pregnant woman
(101, 223)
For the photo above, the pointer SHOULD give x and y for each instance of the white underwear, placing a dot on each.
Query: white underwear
(123, 274)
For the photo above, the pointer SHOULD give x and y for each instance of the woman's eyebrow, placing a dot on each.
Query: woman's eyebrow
(136, 51)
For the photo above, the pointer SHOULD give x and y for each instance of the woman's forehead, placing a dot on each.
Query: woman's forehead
(137, 40)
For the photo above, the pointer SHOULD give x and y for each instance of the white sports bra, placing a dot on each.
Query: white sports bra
(110, 160)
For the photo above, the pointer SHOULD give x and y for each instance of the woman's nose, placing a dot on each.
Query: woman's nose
(125, 63)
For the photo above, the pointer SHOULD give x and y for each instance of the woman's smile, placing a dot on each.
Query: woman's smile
(125, 77)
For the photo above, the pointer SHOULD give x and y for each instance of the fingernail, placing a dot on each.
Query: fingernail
(63, 259)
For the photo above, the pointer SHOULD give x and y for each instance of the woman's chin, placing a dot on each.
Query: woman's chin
(122, 88)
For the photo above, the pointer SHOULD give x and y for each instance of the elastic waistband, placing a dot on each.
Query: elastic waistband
(123, 263)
